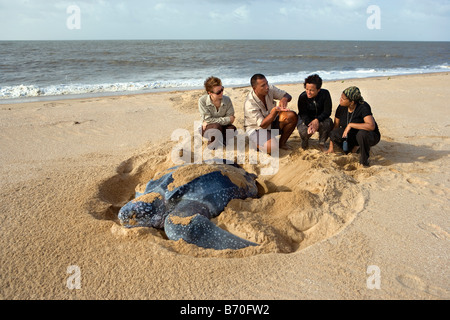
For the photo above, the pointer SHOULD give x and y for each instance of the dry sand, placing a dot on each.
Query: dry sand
(69, 165)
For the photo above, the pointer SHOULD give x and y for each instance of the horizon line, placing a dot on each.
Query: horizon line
(174, 39)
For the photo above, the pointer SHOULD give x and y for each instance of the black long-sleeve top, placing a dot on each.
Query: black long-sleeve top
(318, 107)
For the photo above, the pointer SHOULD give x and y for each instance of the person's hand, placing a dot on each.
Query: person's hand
(283, 105)
(313, 126)
(346, 131)
(204, 125)
(281, 109)
(232, 119)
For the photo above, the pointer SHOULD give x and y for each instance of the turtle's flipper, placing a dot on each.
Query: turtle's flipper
(198, 230)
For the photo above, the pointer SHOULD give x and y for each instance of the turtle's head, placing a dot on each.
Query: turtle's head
(146, 211)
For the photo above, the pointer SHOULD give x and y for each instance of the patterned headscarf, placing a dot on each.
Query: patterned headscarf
(354, 94)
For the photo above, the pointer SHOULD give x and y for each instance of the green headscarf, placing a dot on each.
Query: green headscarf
(354, 94)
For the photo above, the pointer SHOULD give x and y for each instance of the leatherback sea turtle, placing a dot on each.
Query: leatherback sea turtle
(183, 200)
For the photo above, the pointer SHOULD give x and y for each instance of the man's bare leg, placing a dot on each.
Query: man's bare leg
(288, 123)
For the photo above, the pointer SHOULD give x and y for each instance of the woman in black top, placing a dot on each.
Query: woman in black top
(314, 110)
(354, 126)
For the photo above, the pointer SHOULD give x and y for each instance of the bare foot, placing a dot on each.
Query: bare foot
(330, 148)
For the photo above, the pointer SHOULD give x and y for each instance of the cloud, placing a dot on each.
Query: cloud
(241, 13)
(159, 6)
(430, 8)
(283, 11)
(349, 4)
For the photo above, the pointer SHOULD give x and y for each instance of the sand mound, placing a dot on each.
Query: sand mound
(311, 198)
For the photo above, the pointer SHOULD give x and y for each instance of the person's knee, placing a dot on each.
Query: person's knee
(293, 118)
(335, 135)
(362, 136)
(213, 126)
(289, 118)
(302, 128)
(327, 124)
(212, 129)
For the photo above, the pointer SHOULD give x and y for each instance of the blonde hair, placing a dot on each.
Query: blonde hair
(212, 82)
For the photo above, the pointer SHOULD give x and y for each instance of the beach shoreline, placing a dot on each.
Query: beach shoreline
(68, 164)
(178, 90)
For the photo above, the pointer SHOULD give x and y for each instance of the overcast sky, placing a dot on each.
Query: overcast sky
(408, 20)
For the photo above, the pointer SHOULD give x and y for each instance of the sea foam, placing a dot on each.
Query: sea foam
(30, 91)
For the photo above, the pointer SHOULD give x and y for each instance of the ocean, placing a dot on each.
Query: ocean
(57, 69)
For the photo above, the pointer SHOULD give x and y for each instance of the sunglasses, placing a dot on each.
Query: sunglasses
(219, 92)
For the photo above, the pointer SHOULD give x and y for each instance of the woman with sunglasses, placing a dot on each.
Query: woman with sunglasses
(217, 112)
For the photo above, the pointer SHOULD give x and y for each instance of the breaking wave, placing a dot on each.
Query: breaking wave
(30, 91)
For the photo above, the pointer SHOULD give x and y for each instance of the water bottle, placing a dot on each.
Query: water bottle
(345, 146)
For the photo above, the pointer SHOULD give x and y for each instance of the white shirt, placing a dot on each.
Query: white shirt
(255, 111)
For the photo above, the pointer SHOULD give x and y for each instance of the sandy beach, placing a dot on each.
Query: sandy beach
(328, 228)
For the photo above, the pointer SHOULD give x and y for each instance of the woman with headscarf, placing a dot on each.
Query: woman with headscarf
(354, 126)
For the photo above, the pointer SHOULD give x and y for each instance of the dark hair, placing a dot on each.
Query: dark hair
(314, 79)
(255, 78)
